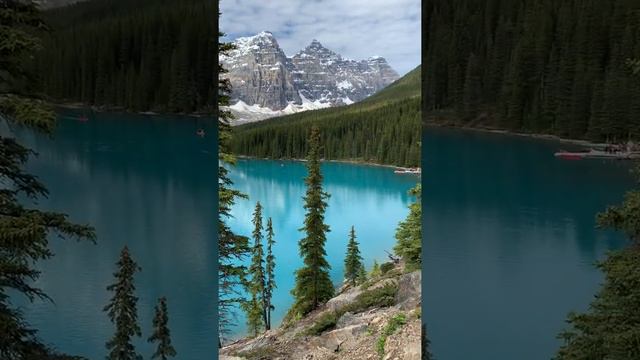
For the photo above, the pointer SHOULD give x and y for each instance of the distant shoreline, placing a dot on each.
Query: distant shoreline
(549, 137)
(115, 109)
(352, 162)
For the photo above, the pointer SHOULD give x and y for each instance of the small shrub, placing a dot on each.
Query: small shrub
(379, 297)
(384, 268)
(418, 313)
(393, 325)
(263, 353)
(325, 322)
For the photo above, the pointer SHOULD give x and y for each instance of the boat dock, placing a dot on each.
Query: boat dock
(613, 152)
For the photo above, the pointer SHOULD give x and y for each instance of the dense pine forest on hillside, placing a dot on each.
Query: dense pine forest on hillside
(544, 66)
(141, 55)
(384, 128)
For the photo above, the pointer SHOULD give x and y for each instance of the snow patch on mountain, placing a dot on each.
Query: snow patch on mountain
(266, 82)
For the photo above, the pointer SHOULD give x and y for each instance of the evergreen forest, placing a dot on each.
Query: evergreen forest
(146, 55)
(383, 129)
(539, 66)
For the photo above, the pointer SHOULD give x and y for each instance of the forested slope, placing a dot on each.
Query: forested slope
(544, 66)
(138, 55)
(384, 128)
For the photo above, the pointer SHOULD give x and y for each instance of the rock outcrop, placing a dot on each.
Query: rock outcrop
(356, 334)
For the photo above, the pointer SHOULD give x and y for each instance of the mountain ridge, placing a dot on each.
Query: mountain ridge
(267, 83)
(383, 129)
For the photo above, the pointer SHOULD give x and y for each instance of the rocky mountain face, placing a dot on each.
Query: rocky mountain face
(373, 331)
(267, 83)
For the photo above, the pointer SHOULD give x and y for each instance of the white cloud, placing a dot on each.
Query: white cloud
(355, 29)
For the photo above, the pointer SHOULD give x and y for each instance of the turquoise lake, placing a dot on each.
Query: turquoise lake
(510, 241)
(143, 181)
(373, 199)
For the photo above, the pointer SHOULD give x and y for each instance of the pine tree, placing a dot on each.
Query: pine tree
(256, 314)
(353, 266)
(609, 329)
(232, 248)
(270, 274)
(161, 333)
(375, 271)
(122, 310)
(313, 284)
(362, 274)
(409, 233)
(24, 231)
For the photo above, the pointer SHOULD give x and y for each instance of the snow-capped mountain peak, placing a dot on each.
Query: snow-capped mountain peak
(265, 82)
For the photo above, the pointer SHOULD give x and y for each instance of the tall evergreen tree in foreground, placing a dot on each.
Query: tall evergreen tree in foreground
(409, 233)
(122, 310)
(313, 284)
(270, 274)
(353, 266)
(24, 231)
(232, 248)
(610, 329)
(161, 333)
(254, 307)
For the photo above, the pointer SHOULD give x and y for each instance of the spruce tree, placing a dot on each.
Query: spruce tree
(353, 266)
(232, 248)
(24, 231)
(362, 274)
(256, 315)
(409, 233)
(609, 328)
(122, 310)
(270, 274)
(375, 270)
(313, 284)
(161, 333)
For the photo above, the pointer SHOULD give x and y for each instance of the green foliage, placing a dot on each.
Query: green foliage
(385, 267)
(379, 297)
(375, 270)
(609, 329)
(392, 326)
(139, 55)
(543, 66)
(270, 274)
(161, 333)
(232, 248)
(353, 261)
(383, 129)
(313, 284)
(122, 310)
(409, 233)
(24, 231)
(625, 218)
(261, 353)
(362, 274)
(383, 296)
(253, 309)
(634, 64)
(256, 312)
(326, 321)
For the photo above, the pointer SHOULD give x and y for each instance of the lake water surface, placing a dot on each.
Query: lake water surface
(372, 199)
(146, 182)
(510, 241)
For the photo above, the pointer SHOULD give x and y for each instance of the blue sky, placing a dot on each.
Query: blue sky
(356, 29)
